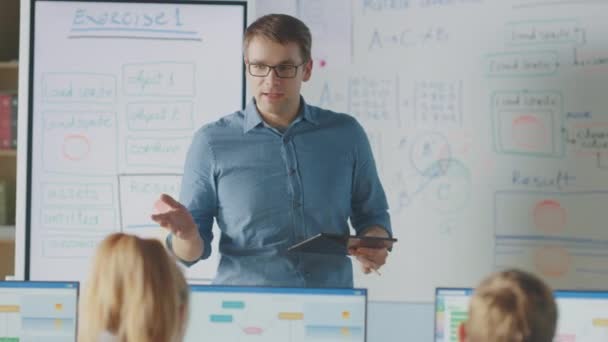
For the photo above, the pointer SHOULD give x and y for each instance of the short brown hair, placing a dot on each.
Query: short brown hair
(512, 306)
(283, 29)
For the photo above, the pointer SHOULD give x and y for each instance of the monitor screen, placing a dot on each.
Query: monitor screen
(451, 307)
(583, 316)
(234, 313)
(38, 311)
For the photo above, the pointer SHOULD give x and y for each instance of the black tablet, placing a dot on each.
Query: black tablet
(326, 243)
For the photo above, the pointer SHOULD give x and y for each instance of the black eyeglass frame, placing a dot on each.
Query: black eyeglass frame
(273, 68)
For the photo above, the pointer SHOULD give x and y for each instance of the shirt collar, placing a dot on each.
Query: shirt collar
(253, 117)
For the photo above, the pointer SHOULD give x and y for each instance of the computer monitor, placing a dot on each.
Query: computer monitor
(38, 311)
(583, 316)
(243, 314)
(451, 309)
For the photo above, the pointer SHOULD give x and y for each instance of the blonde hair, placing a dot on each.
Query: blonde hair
(135, 291)
(512, 306)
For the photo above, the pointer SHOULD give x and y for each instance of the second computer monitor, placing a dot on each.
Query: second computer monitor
(244, 314)
(451, 309)
(582, 315)
(38, 311)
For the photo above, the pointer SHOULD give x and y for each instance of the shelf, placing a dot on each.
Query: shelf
(9, 65)
(9, 76)
(9, 83)
(7, 233)
(8, 153)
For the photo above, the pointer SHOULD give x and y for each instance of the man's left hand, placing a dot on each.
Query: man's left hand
(371, 259)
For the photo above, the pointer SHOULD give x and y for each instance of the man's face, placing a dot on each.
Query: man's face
(275, 95)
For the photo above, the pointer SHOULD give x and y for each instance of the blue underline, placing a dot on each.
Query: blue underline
(132, 226)
(127, 29)
(551, 238)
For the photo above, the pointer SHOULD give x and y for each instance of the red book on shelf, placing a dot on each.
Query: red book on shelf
(14, 117)
(5, 121)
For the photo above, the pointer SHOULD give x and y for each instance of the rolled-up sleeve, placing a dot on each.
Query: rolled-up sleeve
(368, 202)
(199, 191)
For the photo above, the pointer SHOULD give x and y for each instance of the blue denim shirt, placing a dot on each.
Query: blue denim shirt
(268, 190)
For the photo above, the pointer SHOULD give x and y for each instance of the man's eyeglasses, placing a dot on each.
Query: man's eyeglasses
(281, 70)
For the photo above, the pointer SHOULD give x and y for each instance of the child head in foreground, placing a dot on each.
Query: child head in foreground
(135, 292)
(511, 306)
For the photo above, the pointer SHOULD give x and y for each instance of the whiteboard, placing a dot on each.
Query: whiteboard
(117, 90)
(489, 125)
(487, 119)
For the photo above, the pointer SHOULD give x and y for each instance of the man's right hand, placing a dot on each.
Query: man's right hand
(174, 217)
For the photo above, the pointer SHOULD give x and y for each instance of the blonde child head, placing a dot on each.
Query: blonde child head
(511, 306)
(135, 292)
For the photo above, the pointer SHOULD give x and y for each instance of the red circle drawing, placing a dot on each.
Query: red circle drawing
(76, 147)
(549, 216)
(552, 261)
(530, 133)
